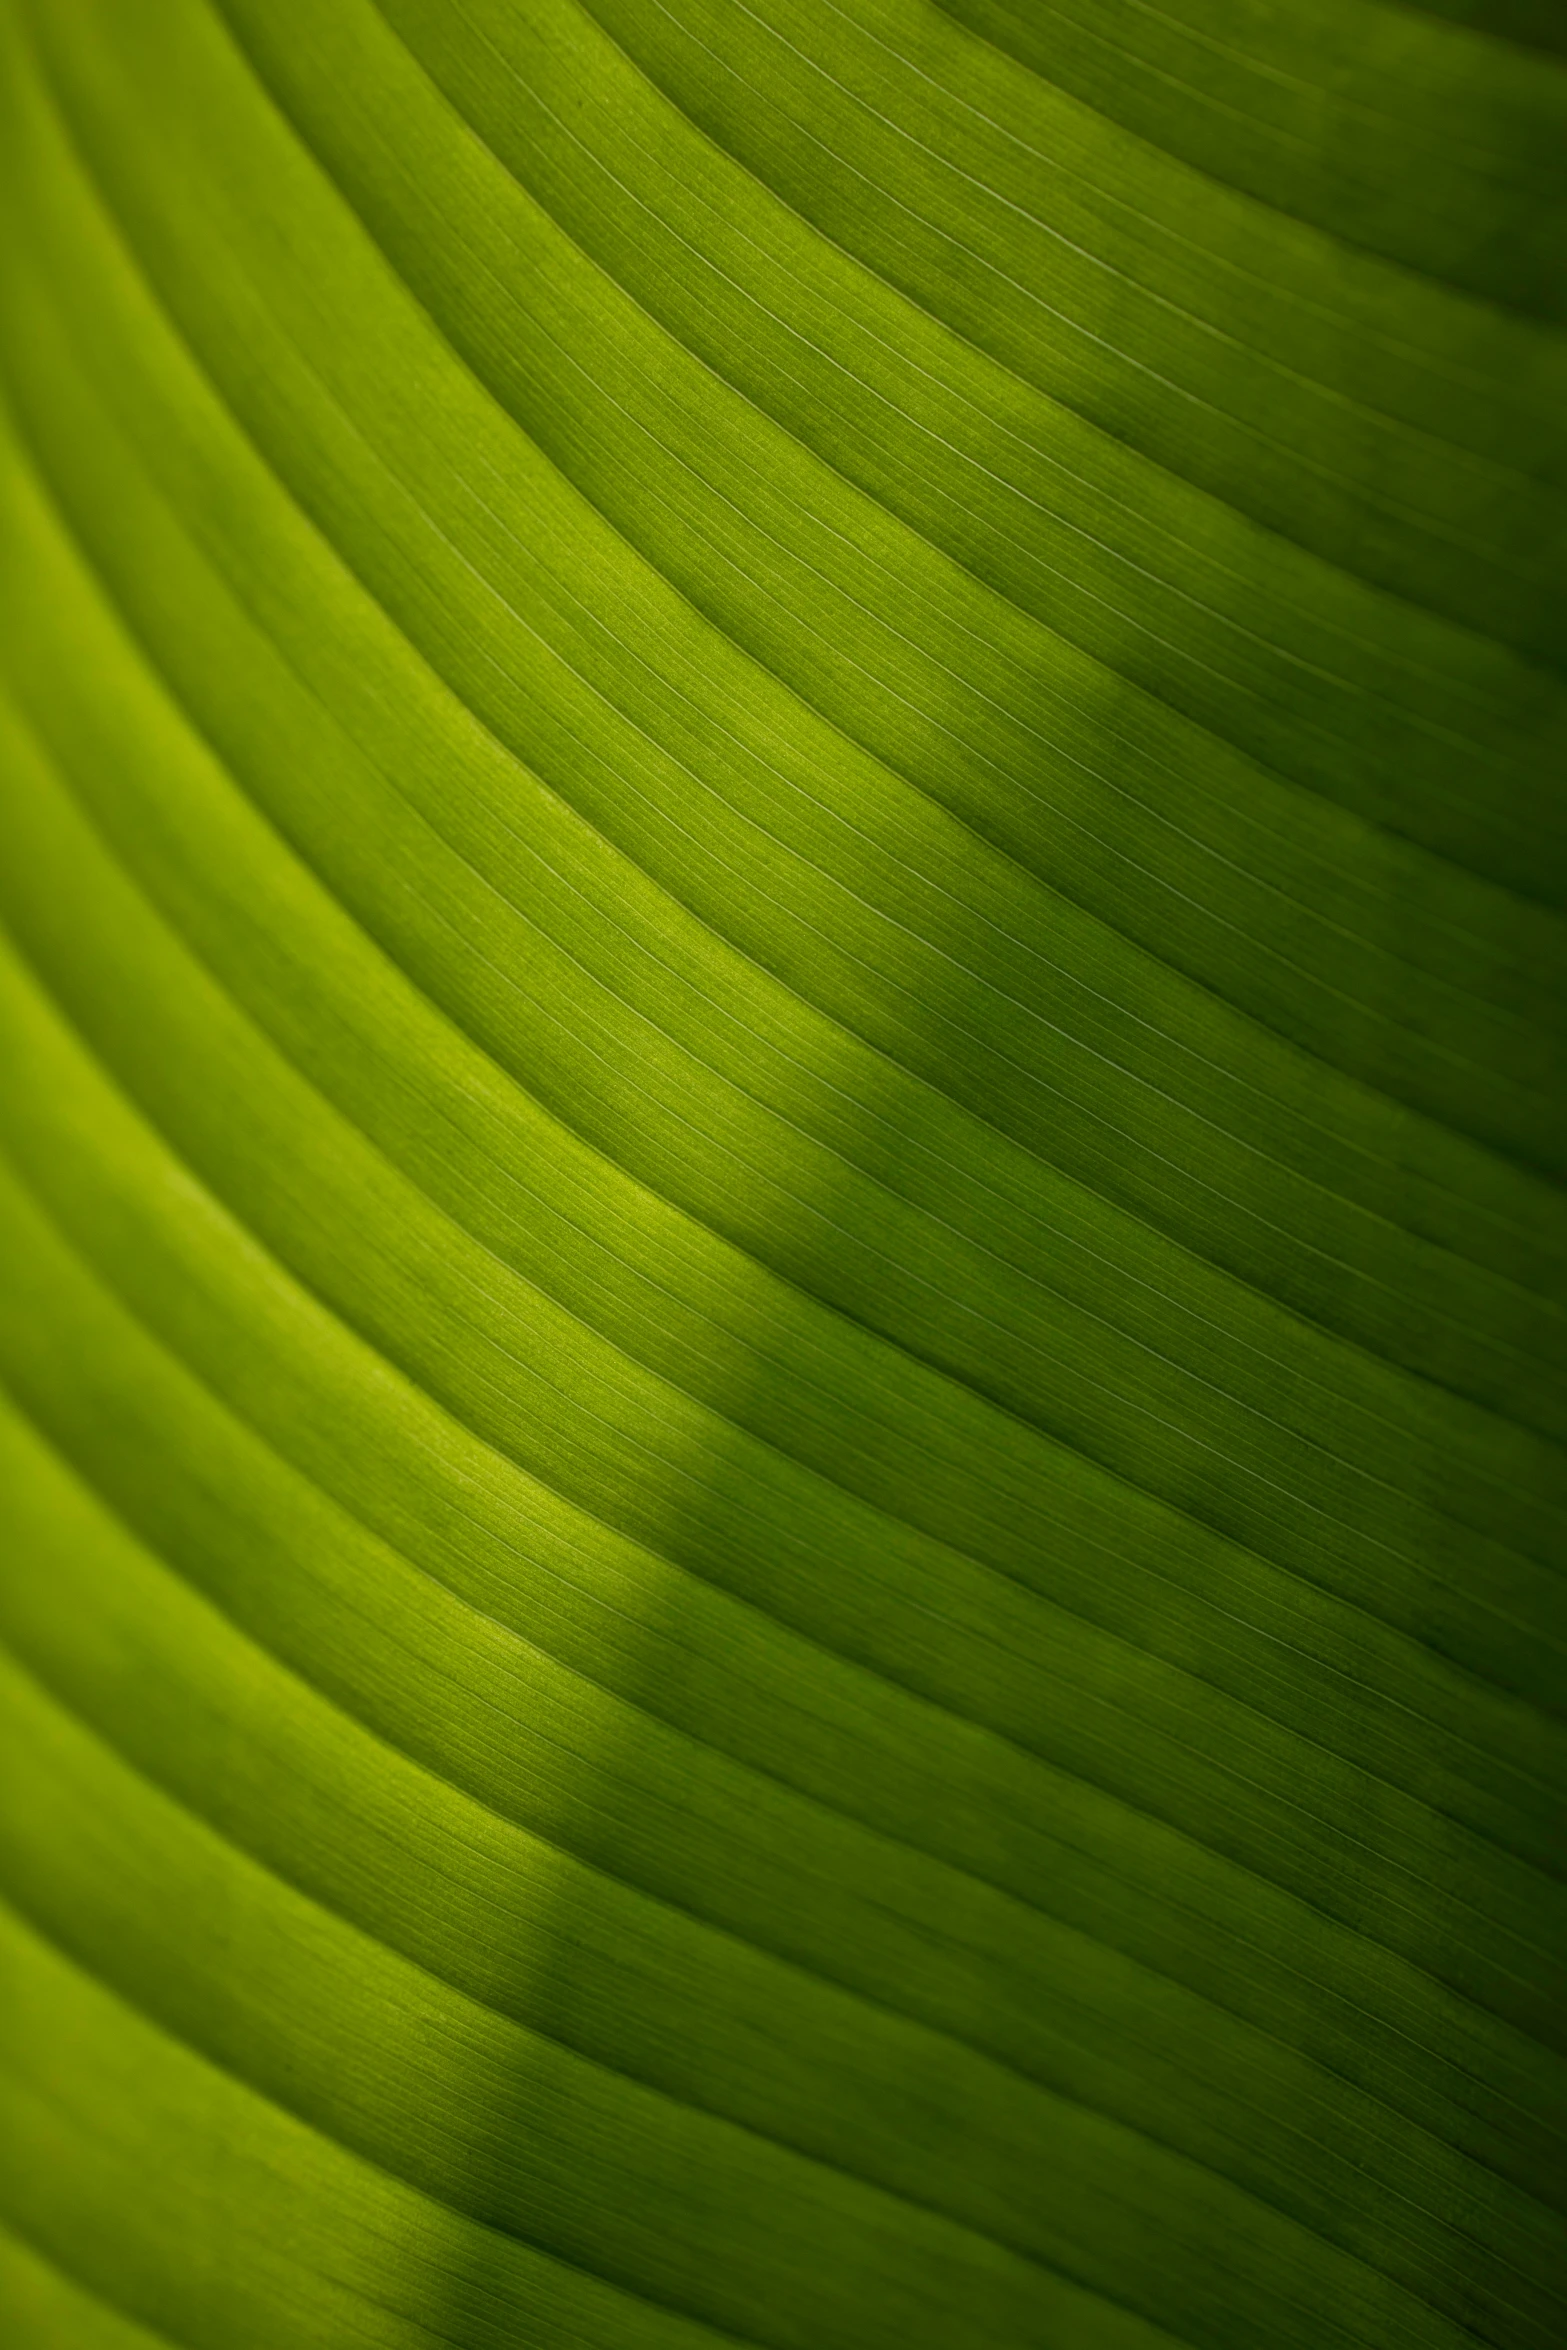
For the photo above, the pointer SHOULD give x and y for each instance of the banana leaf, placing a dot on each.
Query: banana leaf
(783, 1112)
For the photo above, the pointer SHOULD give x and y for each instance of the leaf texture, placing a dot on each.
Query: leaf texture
(783, 1023)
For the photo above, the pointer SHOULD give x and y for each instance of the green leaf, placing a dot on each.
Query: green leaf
(783, 1025)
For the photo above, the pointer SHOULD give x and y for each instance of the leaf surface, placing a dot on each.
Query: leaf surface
(780, 1174)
